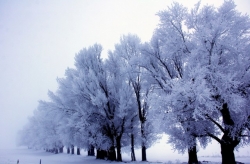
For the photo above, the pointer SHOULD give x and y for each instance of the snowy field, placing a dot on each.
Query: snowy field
(159, 153)
(27, 156)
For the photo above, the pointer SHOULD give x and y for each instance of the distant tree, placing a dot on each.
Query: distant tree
(41, 131)
(26, 136)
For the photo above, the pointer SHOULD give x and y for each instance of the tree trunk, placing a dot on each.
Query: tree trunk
(227, 153)
(72, 149)
(132, 148)
(143, 153)
(55, 150)
(111, 154)
(98, 154)
(227, 149)
(91, 151)
(78, 151)
(228, 143)
(142, 116)
(68, 150)
(143, 147)
(101, 154)
(192, 155)
(61, 149)
(118, 147)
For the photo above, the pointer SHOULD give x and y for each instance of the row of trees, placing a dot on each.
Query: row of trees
(190, 81)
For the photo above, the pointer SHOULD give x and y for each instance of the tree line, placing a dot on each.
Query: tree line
(190, 81)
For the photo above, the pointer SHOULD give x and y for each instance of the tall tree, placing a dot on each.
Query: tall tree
(222, 44)
(128, 51)
(164, 60)
(103, 91)
(210, 45)
(90, 89)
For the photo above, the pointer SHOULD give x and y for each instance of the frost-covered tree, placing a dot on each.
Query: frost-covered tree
(27, 136)
(178, 115)
(128, 52)
(164, 59)
(221, 38)
(90, 88)
(41, 132)
(73, 129)
(199, 59)
(104, 99)
(125, 102)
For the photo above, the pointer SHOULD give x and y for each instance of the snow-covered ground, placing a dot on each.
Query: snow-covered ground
(159, 153)
(29, 156)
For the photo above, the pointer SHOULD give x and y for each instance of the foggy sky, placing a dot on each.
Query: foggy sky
(39, 39)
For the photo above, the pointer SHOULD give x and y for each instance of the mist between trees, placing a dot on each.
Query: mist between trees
(191, 81)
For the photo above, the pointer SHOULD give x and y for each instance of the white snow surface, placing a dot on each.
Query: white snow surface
(159, 153)
(29, 156)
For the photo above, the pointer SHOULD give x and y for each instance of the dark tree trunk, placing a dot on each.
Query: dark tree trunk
(192, 155)
(72, 150)
(118, 147)
(78, 151)
(227, 153)
(55, 150)
(61, 149)
(101, 154)
(68, 150)
(143, 147)
(228, 143)
(98, 154)
(132, 148)
(143, 153)
(227, 149)
(112, 154)
(142, 115)
(91, 151)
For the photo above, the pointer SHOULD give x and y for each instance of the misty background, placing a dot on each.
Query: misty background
(39, 39)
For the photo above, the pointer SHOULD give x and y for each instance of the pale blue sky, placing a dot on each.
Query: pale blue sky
(39, 39)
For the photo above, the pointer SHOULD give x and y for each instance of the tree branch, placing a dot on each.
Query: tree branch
(214, 137)
(216, 123)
